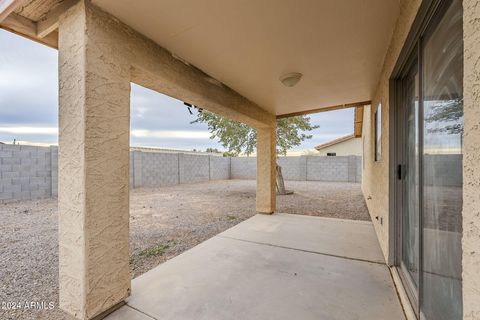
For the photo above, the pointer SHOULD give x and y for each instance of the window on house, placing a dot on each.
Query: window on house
(331, 154)
(378, 133)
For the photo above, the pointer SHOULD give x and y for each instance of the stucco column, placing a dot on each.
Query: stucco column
(93, 193)
(266, 166)
(471, 161)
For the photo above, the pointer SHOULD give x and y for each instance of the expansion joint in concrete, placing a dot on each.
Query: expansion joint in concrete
(142, 312)
(303, 250)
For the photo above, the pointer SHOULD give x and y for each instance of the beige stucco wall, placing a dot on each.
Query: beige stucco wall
(471, 161)
(71, 178)
(375, 175)
(352, 147)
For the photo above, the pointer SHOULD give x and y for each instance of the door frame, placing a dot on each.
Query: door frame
(429, 14)
(401, 116)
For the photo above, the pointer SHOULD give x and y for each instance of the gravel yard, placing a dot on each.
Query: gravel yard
(164, 222)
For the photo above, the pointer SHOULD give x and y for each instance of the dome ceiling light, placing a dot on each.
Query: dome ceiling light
(290, 79)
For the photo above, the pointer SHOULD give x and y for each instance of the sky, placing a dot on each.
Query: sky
(29, 106)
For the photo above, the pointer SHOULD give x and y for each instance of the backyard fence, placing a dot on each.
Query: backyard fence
(304, 168)
(31, 172)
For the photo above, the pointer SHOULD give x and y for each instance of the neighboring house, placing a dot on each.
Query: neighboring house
(344, 146)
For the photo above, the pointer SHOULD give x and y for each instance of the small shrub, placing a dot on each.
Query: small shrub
(153, 251)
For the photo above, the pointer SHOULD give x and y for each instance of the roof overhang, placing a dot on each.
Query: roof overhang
(338, 46)
(358, 121)
(335, 141)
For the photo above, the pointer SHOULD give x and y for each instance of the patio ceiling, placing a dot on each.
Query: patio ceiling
(338, 46)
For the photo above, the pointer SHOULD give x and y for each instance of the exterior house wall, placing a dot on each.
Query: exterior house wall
(352, 147)
(375, 182)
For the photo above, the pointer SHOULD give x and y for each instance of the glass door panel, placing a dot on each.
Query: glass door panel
(410, 229)
(442, 168)
(431, 161)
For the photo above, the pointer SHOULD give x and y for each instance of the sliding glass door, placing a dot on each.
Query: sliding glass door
(411, 167)
(430, 167)
(442, 169)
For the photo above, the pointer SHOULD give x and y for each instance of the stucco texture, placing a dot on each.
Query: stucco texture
(375, 184)
(471, 161)
(94, 166)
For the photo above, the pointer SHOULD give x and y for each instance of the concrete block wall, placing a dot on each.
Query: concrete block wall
(194, 168)
(220, 168)
(155, 169)
(158, 169)
(54, 170)
(30, 172)
(25, 172)
(448, 169)
(305, 168)
(327, 169)
(293, 168)
(243, 168)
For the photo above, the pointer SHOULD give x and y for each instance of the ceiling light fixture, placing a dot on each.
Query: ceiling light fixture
(290, 79)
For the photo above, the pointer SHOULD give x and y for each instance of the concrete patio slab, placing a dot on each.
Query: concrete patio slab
(345, 238)
(225, 278)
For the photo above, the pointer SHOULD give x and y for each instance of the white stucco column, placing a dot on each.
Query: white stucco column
(266, 166)
(471, 161)
(93, 191)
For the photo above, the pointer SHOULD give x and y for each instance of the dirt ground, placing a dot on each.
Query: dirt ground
(164, 222)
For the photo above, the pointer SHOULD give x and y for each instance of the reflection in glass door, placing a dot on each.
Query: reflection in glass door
(430, 136)
(410, 218)
(442, 169)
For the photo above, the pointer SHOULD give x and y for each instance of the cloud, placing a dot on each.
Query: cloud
(35, 143)
(29, 105)
(28, 82)
(30, 130)
(172, 134)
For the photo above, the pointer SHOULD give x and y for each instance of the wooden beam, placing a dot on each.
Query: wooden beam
(324, 109)
(49, 23)
(7, 7)
(358, 125)
(27, 28)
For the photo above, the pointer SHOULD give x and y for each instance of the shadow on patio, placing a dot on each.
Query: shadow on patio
(272, 267)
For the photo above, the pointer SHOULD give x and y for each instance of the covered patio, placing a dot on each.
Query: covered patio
(272, 267)
(256, 62)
